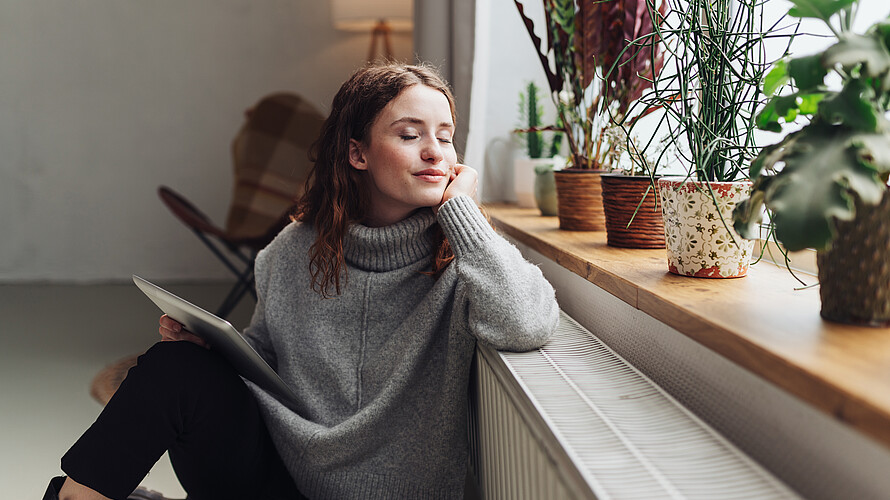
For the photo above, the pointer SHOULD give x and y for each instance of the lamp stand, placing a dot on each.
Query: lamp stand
(381, 31)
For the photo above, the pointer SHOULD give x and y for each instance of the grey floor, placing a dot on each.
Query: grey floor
(53, 341)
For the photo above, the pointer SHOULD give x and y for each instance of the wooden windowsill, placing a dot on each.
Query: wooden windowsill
(759, 322)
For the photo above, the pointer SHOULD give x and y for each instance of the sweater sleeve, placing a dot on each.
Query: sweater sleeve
(257, 334)
(504, 300)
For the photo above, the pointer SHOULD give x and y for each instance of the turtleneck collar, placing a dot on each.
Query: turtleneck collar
(387, 248)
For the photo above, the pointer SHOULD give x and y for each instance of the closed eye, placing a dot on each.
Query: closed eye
(408, 137)
(444, 140)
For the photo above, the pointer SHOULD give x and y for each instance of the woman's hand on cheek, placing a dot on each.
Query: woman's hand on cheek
(463, 182)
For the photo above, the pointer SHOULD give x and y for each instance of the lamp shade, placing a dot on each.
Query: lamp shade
(362, 15)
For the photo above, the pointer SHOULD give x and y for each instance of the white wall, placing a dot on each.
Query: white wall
(505, 62)
(101, 101)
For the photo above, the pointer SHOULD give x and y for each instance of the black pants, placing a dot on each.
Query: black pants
(186, 400)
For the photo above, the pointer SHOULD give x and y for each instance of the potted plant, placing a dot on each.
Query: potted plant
(825, 185)
(710, 94)
(532, 174)
(581, 49)
(632, 57)
(632, 205)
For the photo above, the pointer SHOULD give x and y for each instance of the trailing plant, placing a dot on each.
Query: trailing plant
(612, 41)
(813, 176)
(532, 135)
(710, 89)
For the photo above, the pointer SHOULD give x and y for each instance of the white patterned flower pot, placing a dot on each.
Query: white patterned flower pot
(698, 229)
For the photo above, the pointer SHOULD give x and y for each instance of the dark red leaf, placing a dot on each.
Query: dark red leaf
(553, 79)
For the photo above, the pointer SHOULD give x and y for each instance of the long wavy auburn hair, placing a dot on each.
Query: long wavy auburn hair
(336, 194)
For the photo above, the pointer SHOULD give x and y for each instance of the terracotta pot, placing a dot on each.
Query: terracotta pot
(580, 199)
(633, 212)
(699, 237)
(854, 272)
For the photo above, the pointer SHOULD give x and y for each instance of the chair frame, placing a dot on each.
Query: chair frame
(237, 254)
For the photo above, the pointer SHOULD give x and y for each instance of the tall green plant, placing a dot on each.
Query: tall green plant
(711, 93)
(532, 136)
(531, 111)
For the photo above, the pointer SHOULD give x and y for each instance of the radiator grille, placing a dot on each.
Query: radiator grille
(575, 420)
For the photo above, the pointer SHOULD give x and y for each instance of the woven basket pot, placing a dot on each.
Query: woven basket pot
(580, 199)
(854, 273)
(633, 212)
(698, 232)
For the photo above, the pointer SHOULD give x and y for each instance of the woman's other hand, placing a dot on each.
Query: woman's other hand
(171, 330)
(463, 182)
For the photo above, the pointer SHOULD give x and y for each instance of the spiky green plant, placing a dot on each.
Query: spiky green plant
(710, 89)
(530, 112)
(532, 134)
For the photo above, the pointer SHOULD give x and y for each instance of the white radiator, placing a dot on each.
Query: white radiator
(575, 420)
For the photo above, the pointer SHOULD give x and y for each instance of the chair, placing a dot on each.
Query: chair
(271, 162)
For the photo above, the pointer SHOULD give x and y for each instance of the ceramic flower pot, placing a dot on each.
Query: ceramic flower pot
(854, 272)
(633, 212)
(545, 190)
(698, 231)
(524, 179)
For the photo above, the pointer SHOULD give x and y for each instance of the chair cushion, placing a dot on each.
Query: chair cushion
(271, 160)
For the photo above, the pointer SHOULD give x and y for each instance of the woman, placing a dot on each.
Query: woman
(369, 306)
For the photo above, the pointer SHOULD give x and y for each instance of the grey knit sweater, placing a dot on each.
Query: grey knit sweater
(382, 369)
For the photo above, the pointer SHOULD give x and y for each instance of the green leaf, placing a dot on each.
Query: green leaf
(873, 151)
(748, 214)
(850, 108)
(776, 78)
(784, 107)
(768, 118)
(824, 169)
(768, 157)
(867, 52)
(564, 14)
(809, 103)
(798, 229)
(807, 72)
(882, 29)
(820, 9)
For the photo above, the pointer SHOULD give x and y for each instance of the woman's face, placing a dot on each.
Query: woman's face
(408, 155)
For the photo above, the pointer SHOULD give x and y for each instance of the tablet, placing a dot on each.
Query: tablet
(222, 337)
